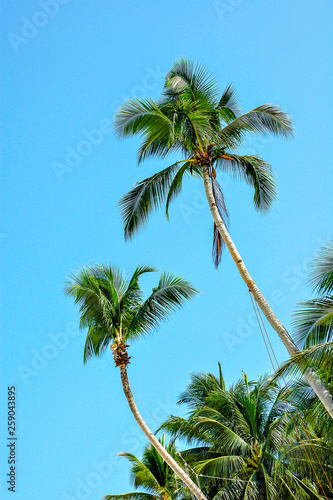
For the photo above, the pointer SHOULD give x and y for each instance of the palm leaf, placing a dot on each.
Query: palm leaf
(228, 107)
(321, 277)
(256, 172)
(169, 295)
(145, 197)
(313, 321)
(137, 116)
(263, 119)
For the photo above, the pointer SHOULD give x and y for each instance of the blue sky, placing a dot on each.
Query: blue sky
(66, 67)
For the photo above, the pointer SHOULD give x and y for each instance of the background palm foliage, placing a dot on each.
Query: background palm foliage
(244, 444)
(194, 119)
(152, 475)
(313, 327)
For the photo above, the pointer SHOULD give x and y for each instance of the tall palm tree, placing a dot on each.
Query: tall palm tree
(153, 475)
(245, 445)
(191, 118)
(113, 312)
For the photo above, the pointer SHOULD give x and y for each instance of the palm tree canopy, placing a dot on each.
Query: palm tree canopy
(313, 330)
(154, 476)
(193, 118)
(244, 442)
(112, 306)
(313, 319)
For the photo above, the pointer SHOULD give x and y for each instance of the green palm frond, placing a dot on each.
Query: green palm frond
(132, 496)
(176, 185)
(263, 119)
(321, 276)
(97, 341)
(228, 107)
(201, 386)
(169, 295)
(257, 173)
(319, 356)
(145, 197)
(153, 475)
(192, 81)
(137, 116)
(313, 322)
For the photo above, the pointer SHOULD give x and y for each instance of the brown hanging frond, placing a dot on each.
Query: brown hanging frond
(218, 243)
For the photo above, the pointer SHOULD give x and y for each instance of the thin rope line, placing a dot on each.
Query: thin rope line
(304, 428)
(224, 478)
(136, 392)
(297, 431)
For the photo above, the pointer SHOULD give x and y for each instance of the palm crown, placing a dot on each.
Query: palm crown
(245, 444)
(112, 307)
(192, 118)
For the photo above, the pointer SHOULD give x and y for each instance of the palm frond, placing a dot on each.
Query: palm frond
(133, 294)
(169, 295)
(97, 340)
(263, 119)
(136, 495)
(228, 106)
(256, 172)
(313, 321)
(321, 276)
(146, 196)
(176, 185)
(137, 116)
(193, 81)
(319, 356)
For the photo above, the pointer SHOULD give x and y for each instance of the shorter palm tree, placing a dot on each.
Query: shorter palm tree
(245, 445)
(314, 318)
(154, 476)
(113, 311)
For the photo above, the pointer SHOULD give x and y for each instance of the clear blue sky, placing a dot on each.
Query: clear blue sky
(65, 69)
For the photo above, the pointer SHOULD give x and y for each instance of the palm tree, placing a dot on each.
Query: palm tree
(113, 312)
(313, 321)
(245, 445)
(154, 476)
(313, 331)
(192, 119)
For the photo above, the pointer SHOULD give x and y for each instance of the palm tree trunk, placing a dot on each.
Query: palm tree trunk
(314, 381)
(157, 445)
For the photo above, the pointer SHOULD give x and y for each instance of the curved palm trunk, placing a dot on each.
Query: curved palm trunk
(157, 445)
(316, 384)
